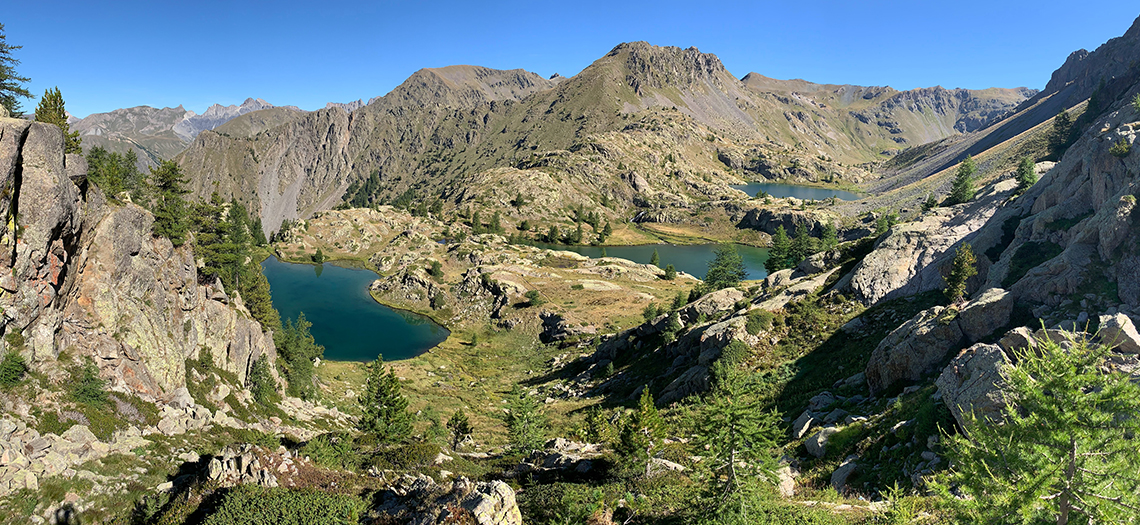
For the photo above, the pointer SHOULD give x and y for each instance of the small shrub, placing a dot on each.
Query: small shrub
(759, 321)
(333, 450)
(578, 286)
(534, 298)
(670, 272)
(1121, 149)
(436, 270)
(12, 369)
(86, 386)
(255, 505)
(408, 456)
(650, 312)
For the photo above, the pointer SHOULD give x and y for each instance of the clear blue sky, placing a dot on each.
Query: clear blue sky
(107, 55)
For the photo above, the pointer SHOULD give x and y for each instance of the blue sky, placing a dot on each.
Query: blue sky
(107, 55)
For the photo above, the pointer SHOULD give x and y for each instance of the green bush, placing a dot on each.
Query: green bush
(407, 456)
(759, 321)
(1121, 149)
(333, 450)
(12, 369)
(86, 386)
(534, 298)
(254, 505)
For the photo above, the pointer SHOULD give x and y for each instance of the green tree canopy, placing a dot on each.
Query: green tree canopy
(961, 270)
(298, 349)
(655, 259)
(170, 205)
(526, 426)
(116, 173)
(11, 84)
(1065, 450)
(726, 269)
(384, 409)
(460, 428)
(780, 255)
(1026, 174)
(51, 111)
(962, 189)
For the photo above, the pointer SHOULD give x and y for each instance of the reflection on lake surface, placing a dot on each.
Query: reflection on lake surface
(346, 320)
(781, 191)
(692, 259)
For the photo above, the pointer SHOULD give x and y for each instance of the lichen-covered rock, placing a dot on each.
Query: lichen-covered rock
(419, 500)
(817, 443)
(988, 311)
(712, 303)
(972, 383)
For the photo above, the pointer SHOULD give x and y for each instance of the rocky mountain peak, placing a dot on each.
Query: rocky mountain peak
(660, 66)
(1083, 71)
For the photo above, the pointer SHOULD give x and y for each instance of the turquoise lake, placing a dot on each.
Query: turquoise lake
(692, 259)
(782, 191)
(346, 320)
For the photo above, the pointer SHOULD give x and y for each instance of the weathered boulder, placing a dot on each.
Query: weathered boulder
(840, 475)
(817, 443)
(913, 257)
(711, 303)
(803, 424)
(972, 383)
(988, 311)
(926, 340)
(912, 349)
(1119, 332)
(420, 500)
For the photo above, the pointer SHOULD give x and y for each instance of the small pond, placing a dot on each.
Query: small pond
(692, 259)
(346, 320)
(781, 191)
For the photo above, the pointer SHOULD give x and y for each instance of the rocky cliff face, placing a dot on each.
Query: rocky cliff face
(87, 276)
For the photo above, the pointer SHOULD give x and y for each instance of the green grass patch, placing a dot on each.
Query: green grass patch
(1029, 256)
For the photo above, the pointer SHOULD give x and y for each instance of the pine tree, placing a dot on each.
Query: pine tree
(740, 439)
(643, 431)
(298, 349)
(961, 270)
(962, 189)
(258, 231)
(830, 239)
(1026, 174)
(460, 428)
(11, 84)
(170, 206)
(496, 225)
(526, 426)
(1063, 451)
(780, 255)
(1059, 137)
(607, 231)
(930, 203)
(51, 111)
(655, 259)
(803, 246)
(727, 269)
(552, 235)
(384, 409)
(670, 272)
(476, 223)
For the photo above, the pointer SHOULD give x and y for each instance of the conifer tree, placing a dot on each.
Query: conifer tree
(1059, 137)
(476, 223)
(830, 239)
(51, 111)
(643, 431)
(803, 246)
(170, 205)
(961, 270)
(607, 231)
(727, 269)
(1064, 449)
(298, 349)
(526, 426)
(1026, 174)
(496, 225)
(740, 437)
(11, 84)
(655, 259)
(962, 189)
(384, 409)
(780, 255)
(460, 428)
(670, 272)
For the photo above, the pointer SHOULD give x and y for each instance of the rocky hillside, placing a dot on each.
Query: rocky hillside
(671, 117)
(160, 134)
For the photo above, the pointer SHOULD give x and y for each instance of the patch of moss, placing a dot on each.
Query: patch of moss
(1029, 256)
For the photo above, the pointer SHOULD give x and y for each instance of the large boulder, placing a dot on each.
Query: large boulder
(712, 303)
(912, 349)
(913, 257)
(817, 443)
(419, 500)
(972, 383)
(925, 341)
(1119, 332)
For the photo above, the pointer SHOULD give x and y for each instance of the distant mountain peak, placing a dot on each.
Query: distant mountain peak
(215, 116)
